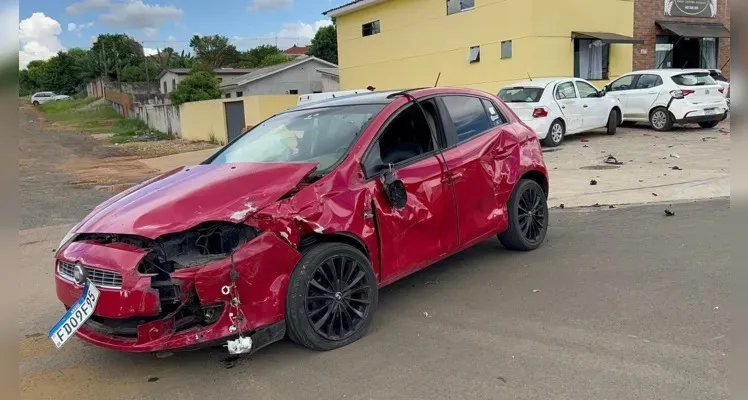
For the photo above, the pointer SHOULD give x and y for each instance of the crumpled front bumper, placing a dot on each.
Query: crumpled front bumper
(264, 266)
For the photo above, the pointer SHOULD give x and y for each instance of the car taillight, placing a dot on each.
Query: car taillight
(539, 112)
(679, 94)
(721, 90)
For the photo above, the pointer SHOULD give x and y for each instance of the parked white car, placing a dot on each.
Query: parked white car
(663, 97)
(310, 98)
(556, 107)
(43, 97)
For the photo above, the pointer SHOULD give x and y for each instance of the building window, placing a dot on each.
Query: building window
(680, 52)
(506, 49)
(372, 28)
(591, 59)
(663, 52)
(293, 91)
(173, 84)
(474, 54)
(227, 95)
(239, 94)
(456, 6)
(317, 91)
(166, 89)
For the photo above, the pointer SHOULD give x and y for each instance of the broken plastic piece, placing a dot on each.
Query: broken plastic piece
(241, 345)
(593, 182)
(675, 155)
(669, 213)
(612, 160)
(676, 168)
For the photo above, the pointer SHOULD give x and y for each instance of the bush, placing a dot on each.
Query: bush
(197, 86)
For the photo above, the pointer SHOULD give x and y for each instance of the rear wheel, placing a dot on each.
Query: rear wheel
(710, 124)
(36, 103)
(332, 297)
(612, 122)
(660, 119)
(555, 134)
(528, 217)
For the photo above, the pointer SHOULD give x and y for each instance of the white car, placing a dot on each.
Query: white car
(556, 107)
(43, 97)
(663, 97)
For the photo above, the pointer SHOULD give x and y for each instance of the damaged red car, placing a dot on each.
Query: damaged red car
(291, 229)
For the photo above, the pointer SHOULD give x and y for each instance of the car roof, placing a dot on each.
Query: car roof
(539, 82)
(668, 71)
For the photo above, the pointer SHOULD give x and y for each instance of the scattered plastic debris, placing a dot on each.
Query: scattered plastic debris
(585, 146)
(536, 291)
(561, 205)
(654, 194)
(669, 212)
(676, 168)
(612, 160)
(641, 180)
(426, 314)
(611, 206)
(153, 379)
(716, 308)
(704, 139)
(584, 140)
(593, 182)
(675, 155)
(241, 345)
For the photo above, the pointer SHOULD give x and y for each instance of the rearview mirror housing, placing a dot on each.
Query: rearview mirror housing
(395, 191)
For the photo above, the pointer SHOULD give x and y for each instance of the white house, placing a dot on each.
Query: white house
(169, 78)
(299, 76)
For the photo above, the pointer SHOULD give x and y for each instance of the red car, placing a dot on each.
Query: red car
(291, 229)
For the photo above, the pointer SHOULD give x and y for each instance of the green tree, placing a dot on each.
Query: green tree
(325, 44)
(274, 59)
(62, 75)
(215, 50)
(197, 86)
(111, 52)
(254, 57)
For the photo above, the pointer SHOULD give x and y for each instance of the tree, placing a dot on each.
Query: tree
(215, 50)
(62, 75)
(325, 44)
(113, 52)
(273, 59)
(197, 86)
(254, 57)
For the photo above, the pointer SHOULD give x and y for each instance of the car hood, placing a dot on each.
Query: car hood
(185, 197)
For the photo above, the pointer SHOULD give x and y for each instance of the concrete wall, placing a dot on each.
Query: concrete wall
(203, 120)
(168, 78)
(164, 118)
(330, 83)
(418, 40)
(304, 78)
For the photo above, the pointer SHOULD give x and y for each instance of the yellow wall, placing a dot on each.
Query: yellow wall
(418, 40)
(200, 120)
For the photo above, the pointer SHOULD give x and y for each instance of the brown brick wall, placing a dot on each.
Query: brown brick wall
(646, 12)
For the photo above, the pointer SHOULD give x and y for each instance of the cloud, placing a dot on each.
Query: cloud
(150, 52)
(72, 27)
(39, 39)
(269, 5)
(86, 6)
(294, 33)
(150, 33)
(136, 14)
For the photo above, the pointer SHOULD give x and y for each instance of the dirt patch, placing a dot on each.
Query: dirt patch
(163, 147)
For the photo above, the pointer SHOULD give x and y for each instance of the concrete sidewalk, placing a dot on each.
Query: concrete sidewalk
(703, 156)
(684, 164)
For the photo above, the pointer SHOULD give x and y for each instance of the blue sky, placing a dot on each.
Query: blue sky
(47, 26)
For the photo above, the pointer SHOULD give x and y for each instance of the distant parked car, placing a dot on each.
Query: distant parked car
(664, 97)
(43, 97)
(556, 107)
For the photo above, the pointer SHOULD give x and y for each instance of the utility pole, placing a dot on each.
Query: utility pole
(147, 75)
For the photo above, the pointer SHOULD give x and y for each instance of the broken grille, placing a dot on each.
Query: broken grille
(99, 277)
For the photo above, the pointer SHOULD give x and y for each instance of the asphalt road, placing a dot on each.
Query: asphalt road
(619, 303)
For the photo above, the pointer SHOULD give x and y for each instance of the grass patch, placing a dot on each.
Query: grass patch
(62, 106)
(135, 130)
(101, 119)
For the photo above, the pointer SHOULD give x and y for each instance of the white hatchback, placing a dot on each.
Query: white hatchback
(556, 107)
(43, 97)
(664, 97)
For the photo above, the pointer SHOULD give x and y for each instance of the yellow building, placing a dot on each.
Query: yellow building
(482, 44)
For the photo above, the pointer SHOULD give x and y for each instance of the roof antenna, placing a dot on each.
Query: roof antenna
(437, 79)
(528, 75)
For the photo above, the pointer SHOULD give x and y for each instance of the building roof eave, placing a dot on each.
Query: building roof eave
(350, 7)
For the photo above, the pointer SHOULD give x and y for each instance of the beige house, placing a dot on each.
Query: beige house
(169, 78)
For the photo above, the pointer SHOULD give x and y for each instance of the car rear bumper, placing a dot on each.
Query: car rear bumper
(701, 118)
(683, 110)
(540, 126)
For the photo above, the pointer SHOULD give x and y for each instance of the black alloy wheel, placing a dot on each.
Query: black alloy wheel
(338, 298)
(528, 217)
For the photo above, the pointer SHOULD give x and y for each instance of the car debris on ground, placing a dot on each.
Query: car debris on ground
(676, 168)
(593, 182)
(669, 212)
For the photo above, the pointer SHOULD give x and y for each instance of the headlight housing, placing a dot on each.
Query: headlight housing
(68, 237)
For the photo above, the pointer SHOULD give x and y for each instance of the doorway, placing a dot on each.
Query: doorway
(234, 118)
(685, 52)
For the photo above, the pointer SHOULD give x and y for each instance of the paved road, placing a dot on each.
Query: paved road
(619, 303)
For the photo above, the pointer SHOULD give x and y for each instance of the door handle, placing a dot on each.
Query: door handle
(563, 106)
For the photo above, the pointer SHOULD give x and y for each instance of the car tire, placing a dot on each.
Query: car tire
(555, 135)
(660, 120)
(526, 230)
(612, 122)
(36, 103)
(350, 309)
(710, 124)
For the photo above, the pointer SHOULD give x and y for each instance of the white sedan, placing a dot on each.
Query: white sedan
(43, 97)
(556, 107)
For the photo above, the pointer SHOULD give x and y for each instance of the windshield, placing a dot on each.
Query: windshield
(321, 135)
(521, 94)
(694, 79)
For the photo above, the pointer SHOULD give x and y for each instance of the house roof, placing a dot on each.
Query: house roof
(217, 71)
(351, 7)
(329, 71)
(295, 50)
(262, 73)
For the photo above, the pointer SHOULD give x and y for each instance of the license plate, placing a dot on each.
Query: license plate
(76, 316)
(710, 111)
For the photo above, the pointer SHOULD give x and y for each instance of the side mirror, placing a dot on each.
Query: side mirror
(394, 189)
(601, 93)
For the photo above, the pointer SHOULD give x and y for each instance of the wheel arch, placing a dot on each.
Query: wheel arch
(340, 237)
(618, 110)
(539, 178)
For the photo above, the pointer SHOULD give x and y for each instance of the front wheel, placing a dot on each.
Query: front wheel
(36, 103)
(710, 124)
(612, 122)
(332, 297)
(528, 217)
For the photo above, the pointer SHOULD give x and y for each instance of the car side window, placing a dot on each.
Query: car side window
(648, 81)
(586, 90)
(565, 91)
(623, 83)
(494, 114)
(468, 115)
(405, 138)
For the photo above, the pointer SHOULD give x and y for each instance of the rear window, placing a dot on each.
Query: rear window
(718, 76)
(694, 79)
(521, 95)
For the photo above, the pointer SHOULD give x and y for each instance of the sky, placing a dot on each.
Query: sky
(48, 26)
